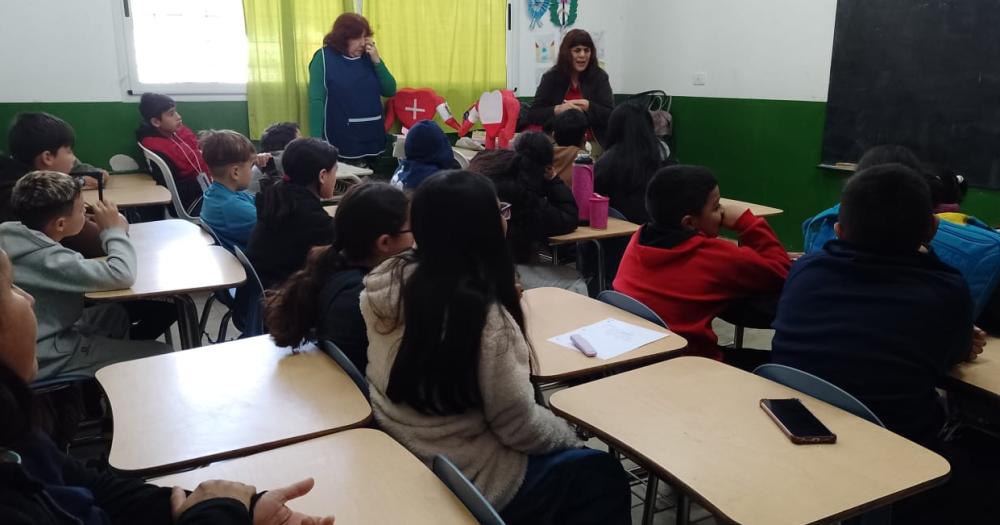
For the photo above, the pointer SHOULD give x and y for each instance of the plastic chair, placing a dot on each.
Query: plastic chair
(341, 358)
(225, 297)
(68, 411)
(168, 178)
(460, 485)
(123, 162)
(630, 305)
(203, 182)
(830, 393)
(253, 320)
(461, 160)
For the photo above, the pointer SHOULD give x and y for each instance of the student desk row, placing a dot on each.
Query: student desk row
(176, 258)
(983, 374)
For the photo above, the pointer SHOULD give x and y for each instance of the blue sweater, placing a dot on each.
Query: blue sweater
(231, 214)
(884, 328)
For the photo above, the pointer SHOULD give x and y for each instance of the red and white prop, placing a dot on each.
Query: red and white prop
(498, 112)
(411, 105)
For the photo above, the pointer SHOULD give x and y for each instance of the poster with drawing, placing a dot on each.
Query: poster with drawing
(545, 49)
(598, 37)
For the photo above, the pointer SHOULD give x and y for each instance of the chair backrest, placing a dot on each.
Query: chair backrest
(461, 160)
(123, 162)
(203, 182)
(466, 491)
(338, 355)
(615, 214)
(816, 387)
(168, 178)
(254, 290)
(630, 305)
(344, 182)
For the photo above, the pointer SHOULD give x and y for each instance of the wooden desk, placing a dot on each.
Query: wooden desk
(983, 374)
(757, 209)
(362, 476)
(552, 311)
(697, 423)
(616, 228)
(347, 169)
(131, 190)
(174, 260)
(190, 408)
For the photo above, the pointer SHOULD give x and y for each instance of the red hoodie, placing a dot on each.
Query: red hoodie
(180, 149)
(693, 282)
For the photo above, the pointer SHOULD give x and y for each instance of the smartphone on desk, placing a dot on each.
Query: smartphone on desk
(797, 422)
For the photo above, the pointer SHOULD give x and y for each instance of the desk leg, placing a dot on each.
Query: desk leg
(187, 321)
(600, 265)
(555, 255)
(649, 505)
(683, 508)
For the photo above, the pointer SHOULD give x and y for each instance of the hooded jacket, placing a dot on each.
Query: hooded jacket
(58, 278)
(563, 157)
(427, 152)
(690, 280)
(181, 151)
(491, 444)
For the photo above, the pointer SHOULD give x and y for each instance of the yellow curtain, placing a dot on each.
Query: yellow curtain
(283, 36)
(456, 47)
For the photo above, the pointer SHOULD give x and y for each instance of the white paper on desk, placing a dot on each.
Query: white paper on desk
(611, 337)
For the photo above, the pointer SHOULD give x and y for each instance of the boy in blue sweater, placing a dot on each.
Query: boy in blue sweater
(228, 208)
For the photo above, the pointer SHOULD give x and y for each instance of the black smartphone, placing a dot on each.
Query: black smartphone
(797, 422)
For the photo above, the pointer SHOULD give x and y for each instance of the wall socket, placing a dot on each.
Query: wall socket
(699, 79)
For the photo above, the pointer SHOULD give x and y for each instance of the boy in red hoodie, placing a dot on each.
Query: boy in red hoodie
(163, 132)
(677, 265)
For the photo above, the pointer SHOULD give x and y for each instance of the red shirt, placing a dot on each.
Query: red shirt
(574, 93)
(692, 283)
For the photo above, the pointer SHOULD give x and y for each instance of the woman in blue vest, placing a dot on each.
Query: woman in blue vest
(346, 78)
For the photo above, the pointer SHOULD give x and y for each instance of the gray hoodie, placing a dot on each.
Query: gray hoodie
(59, 277)
(491, 444)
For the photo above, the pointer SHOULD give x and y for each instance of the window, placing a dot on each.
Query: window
(186, 46)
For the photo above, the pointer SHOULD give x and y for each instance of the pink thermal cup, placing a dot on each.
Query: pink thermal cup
(599, 212)
(583, 184)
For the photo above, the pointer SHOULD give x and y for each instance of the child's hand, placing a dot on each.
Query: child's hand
(978, 343)
(262, 160)
(270, 509)
(90, 183)
(372, 50)
(217, 488)
(106, 216)
(732, 213)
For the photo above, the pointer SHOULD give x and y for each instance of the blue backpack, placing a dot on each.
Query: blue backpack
(973, 249)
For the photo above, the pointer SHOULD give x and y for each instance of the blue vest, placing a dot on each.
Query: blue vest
(354, 121)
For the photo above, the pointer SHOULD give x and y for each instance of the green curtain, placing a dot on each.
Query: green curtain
(456, 47)
(283, 35)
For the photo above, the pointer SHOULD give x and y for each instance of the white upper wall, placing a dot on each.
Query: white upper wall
(58, 51)
(761, 49)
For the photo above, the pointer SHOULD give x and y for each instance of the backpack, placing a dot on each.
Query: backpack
(973, 249)
(658, 104)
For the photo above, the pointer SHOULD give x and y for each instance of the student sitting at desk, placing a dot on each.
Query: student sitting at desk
(163, 132)
(74, 339)
(290, 215)
(879, 315)
(321, 300)
(541, 206)
(41, 484)
(569, 131)
(449, 365)
(632, 154)
(39, 141)
(427, 152)
(677, 265)
(228, 208)
(273, 142)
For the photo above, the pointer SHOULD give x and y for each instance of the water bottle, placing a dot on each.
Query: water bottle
(583, 184)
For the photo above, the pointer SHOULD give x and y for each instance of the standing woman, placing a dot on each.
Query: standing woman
(575, 82)
(346, 78)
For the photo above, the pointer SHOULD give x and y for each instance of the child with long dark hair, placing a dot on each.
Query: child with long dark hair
(632, 154)
(321, 300)
(449, 365)
(41, 484)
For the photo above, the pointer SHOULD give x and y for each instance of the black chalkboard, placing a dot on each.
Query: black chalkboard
(922, 73)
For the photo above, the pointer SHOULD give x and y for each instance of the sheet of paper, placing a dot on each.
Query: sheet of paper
(611, 337)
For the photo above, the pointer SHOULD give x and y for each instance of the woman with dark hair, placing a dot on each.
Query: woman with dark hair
(290, 215)
(541, 206)
(39, 484)
(320, 302)
(632, 154)
(449, 365)
(575, 82)
(346, 77)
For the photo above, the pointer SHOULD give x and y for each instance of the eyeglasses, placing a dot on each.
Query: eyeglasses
(505, 211)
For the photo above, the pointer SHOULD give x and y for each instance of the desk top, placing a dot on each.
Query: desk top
(549, 312)
(758, 209)
(348, 169)
(983, 374)
(195, 406)
(697, 423)
(467, 153)
(362, 476)
(167, 234)
(130, 190)
(176, 269)
(616, 228)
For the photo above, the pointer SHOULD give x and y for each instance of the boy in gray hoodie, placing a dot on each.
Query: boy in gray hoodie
(71, 338)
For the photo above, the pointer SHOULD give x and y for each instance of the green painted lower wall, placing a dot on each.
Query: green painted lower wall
(763, 151)
(106, 128)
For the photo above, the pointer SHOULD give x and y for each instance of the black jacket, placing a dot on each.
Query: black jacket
(612, 183)
(340, 319)
(884, 328)
(551, 92)
(281, 240)
(49, 487)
